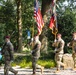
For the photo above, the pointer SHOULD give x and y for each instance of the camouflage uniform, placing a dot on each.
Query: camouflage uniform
(7, 51)
(35, 55)
(59, 45)
(72, 44)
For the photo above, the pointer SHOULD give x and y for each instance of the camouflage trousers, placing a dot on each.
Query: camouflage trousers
(58, 60)
(74, 58)
(34, 64)
(7, 68)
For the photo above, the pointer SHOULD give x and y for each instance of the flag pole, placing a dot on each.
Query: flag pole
(54, 11)
(55, 36)
(33, 30)
(32, 34)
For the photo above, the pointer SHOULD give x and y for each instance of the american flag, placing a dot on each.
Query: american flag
(38, 17)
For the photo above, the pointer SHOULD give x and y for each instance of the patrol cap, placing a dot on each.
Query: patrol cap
(36, 37)
(8, 37)
(58, 34)
(74, 33)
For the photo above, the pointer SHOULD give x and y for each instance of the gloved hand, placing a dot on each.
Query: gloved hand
(55, 40)
(68, 44)
(55, 50)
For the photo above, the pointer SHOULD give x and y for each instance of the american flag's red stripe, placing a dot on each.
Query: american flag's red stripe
(39, 20)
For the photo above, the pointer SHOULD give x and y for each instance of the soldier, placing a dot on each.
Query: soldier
(7, 51)
(59, 51)
(36, 54)
(72, 44)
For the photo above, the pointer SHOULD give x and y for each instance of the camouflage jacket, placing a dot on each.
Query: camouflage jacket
(7, 51)
(73, 45)
(36, 50)
(59, 45)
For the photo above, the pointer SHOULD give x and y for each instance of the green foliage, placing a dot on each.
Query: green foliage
(1, 34)
(25, 61)
(67, 24)
(47, 63)
(66, 20)
(8, 17)
(69, 50)
(27, 16)
(13, 64)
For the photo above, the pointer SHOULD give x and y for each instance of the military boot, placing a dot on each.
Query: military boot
(15, 72)
(57, 71)
(42, 68)
(64, 67)
(33, 74)
(74, 69)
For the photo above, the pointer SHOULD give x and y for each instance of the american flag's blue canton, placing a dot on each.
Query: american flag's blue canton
(35, 8)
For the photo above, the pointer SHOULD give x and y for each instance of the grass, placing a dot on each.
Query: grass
(47, 63)
(25, 61)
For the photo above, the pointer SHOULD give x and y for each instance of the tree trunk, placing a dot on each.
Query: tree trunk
(45, 6)
(43, 36)
(19, 23)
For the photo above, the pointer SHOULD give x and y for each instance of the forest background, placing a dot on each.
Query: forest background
(16, 19)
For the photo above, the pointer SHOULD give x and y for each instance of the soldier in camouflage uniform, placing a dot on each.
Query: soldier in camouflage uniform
(7, 51)
(72, 44)
(59, 51)
(36, 54)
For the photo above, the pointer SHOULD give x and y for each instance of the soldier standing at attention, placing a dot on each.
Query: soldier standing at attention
(7, 51)
(72, 44)
(36, 54)
(59, 51)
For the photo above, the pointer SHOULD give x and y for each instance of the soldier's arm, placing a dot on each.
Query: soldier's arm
(54, 43)
(37, 48)
(11, 50)
(69, 44)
